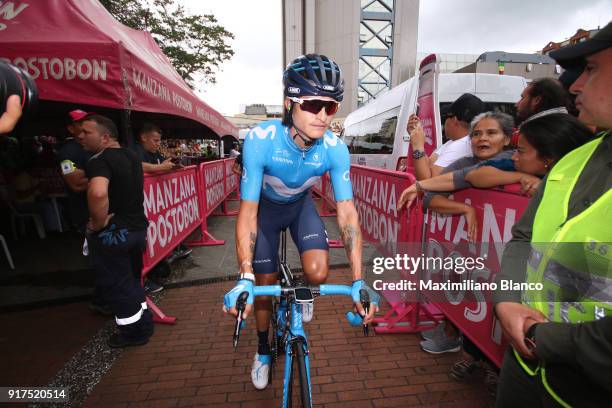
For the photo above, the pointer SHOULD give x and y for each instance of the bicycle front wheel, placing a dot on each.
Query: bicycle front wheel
(304, 375)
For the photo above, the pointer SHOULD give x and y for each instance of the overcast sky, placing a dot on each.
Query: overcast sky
(253, 75)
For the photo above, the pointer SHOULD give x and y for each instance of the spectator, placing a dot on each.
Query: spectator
(210, 154)
(457, 118)
(148, 150)
(235, 152)
(154, 162)
(543, 140)
(117, 229)
(490, 134)
(540, 95)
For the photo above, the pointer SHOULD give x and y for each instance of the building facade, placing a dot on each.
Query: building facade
(581, 35)
(373, 41)
(529, 66)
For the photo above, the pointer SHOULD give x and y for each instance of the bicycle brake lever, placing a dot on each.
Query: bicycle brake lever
(240, 306)
(365, 302)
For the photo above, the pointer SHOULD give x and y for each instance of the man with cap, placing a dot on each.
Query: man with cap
(561, 335)
(72, 158)
(457, 118)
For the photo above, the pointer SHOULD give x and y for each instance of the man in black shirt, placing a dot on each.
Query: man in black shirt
(154, 162)
(148, 150)
(117, 229)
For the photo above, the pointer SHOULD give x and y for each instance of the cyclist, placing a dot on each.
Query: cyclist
(282, 160)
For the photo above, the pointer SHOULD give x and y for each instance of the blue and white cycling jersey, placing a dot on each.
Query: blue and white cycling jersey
(276, 168)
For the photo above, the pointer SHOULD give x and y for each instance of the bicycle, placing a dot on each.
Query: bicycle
(287, 328)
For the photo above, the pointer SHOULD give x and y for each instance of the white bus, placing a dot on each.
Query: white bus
(376, 133)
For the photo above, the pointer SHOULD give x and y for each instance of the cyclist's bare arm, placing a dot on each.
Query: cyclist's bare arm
(246, 236)
(348, 221)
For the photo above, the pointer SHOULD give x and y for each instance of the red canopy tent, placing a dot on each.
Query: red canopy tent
(78, 53)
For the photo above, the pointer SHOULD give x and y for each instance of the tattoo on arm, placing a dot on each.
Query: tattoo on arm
(252, 244)
(349, 237)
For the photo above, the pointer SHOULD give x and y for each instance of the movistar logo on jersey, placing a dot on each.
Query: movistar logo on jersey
(293, 89)
(328, 87)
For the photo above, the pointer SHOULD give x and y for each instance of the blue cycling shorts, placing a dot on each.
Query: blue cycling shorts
(306, 228)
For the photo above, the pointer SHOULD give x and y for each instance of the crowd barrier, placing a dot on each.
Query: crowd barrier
(324, 190)
(376, 193)
(177, 204)
(497, 211)
(218, 182)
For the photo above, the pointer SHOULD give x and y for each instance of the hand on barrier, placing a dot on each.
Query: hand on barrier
(374, 299)
(408, 196)
(230, 298)
(529, 184)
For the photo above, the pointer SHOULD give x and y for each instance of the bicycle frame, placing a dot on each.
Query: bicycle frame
(296, 333)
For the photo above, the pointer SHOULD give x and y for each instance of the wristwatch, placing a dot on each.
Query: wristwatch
(417, 154)
(530, 339)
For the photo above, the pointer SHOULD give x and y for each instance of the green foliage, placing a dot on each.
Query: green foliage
(195, 43)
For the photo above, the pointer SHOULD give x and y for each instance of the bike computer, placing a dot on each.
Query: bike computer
(303, 295)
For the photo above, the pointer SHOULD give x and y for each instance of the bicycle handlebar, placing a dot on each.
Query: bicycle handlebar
(322, 290)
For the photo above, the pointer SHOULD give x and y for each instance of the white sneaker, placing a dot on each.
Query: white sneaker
(260, 370)
(307, 312)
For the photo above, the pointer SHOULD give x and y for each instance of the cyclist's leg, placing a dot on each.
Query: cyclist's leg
(309, 234)
(265, 260)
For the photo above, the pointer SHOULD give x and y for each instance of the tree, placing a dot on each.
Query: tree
(195, 43)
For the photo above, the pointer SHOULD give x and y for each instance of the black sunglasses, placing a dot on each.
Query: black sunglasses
(314, 106)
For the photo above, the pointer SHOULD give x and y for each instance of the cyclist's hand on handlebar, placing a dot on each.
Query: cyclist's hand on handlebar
(374, 300)
(229, 300)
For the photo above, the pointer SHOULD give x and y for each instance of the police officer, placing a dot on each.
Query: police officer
(72, 158)
(561, 335)
(117, 229)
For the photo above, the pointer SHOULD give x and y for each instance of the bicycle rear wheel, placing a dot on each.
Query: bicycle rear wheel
(302, 370)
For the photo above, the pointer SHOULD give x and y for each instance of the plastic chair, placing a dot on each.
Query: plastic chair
(16, 214)
(7, 252)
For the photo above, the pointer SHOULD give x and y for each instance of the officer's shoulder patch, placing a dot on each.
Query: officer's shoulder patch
(67, 167)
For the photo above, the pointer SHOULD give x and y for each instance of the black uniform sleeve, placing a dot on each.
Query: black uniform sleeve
(98, 167)
(587, 346)
(516, 251)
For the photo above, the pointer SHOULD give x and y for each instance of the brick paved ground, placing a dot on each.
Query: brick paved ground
(34, 345)
(193, 363)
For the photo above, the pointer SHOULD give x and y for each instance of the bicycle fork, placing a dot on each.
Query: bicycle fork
(296, 348)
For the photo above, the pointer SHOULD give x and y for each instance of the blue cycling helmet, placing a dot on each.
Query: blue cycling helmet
(313, 75)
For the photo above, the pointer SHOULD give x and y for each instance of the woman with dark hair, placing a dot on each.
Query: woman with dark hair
(543, 140)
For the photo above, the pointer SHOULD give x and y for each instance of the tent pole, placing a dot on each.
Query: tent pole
(126, 128)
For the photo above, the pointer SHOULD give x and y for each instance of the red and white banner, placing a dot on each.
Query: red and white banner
(446, 236)
(172, 206)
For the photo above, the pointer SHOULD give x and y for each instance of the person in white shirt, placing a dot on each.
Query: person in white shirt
(457, 118)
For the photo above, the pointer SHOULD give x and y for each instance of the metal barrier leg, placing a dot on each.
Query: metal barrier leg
(158, 315)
